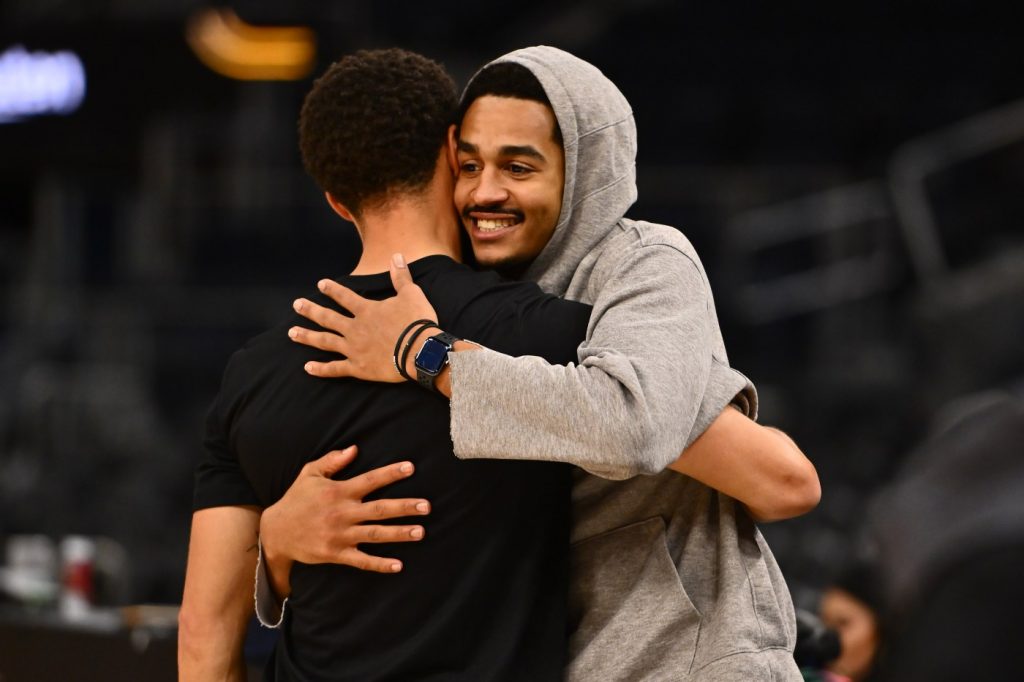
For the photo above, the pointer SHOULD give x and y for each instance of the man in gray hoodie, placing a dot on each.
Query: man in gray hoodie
(671, 578)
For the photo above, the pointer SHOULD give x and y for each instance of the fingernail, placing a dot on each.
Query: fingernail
(293, 333)
(308, 367)
(416, 533)
(322, 285)
(298, 304)
(422, 507)
(396, 567)
(405, 468)
(399, 260)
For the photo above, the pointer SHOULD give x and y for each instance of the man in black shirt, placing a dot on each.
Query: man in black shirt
(485, 599)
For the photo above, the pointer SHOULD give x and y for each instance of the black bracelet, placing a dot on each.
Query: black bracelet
(412, 339)
(398, 344)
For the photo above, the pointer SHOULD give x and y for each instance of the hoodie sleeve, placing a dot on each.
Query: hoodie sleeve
(637, 398)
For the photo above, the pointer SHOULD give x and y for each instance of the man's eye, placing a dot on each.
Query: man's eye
(518, 169)
(469, 167)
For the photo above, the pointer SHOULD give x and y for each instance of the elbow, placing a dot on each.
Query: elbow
(804, 492)
(797, 493)
(647, 466)
(628, 448)
(645, 454)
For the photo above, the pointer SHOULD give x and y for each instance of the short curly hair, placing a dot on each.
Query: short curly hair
(374, 124)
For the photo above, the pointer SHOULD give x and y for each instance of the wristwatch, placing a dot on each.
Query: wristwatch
(433, 358)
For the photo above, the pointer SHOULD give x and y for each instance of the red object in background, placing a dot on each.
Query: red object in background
(77, 590)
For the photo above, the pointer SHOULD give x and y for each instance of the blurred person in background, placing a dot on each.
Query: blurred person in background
(948, 535)
(849, 606)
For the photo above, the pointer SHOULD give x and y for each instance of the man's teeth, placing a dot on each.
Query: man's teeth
(491, 225)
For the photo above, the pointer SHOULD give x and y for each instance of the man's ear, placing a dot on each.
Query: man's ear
(453, 159)
(339, 208)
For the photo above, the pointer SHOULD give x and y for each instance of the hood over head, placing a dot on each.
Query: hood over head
(599, 135)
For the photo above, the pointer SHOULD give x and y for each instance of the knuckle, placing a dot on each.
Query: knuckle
(372, 479)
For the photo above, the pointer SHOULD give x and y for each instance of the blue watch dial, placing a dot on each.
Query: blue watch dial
(432, 357)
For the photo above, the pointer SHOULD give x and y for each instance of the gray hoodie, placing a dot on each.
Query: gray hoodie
(671, 580)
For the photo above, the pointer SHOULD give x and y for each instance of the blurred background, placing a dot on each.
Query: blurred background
(853, 178)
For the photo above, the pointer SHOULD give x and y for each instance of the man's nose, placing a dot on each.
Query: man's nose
(489, 189)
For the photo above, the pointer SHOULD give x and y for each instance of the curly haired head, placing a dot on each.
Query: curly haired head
(374, 124)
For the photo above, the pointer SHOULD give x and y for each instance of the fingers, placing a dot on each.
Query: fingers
(328, 341)
(325, 317)
(400, 275)
(329, 370)
(364, 484)
(378, 510)
(366, 562)
(343, 296)
(379, 534)
(331, 463)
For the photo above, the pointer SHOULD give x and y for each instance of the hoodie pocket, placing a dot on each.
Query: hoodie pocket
(629, 613)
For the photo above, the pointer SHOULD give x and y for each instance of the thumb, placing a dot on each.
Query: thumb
(334, 461)
(400, 275)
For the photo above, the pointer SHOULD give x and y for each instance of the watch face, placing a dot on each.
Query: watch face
(431, 358)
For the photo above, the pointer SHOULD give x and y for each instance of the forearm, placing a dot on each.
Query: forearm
(217, 600)
(593, 415)
(759, 466)
(598, 416)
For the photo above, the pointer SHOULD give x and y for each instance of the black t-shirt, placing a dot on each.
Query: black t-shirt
(482, 597)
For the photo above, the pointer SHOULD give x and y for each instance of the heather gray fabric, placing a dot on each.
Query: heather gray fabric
(671, 579)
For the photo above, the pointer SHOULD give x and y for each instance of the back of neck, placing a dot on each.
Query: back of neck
(416, 228)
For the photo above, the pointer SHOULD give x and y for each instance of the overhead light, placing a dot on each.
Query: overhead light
(235, 49)
(38, 83)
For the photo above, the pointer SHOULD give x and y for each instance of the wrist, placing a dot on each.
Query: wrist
(276, 565)
(268, 535)
(410, 362)
(408, 337)
(414, 349)
(433, 357)
(443, 381)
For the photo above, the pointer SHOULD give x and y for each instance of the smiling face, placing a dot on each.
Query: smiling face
(511, 172)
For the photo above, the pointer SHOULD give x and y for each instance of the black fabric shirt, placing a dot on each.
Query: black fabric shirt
(482, 597)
